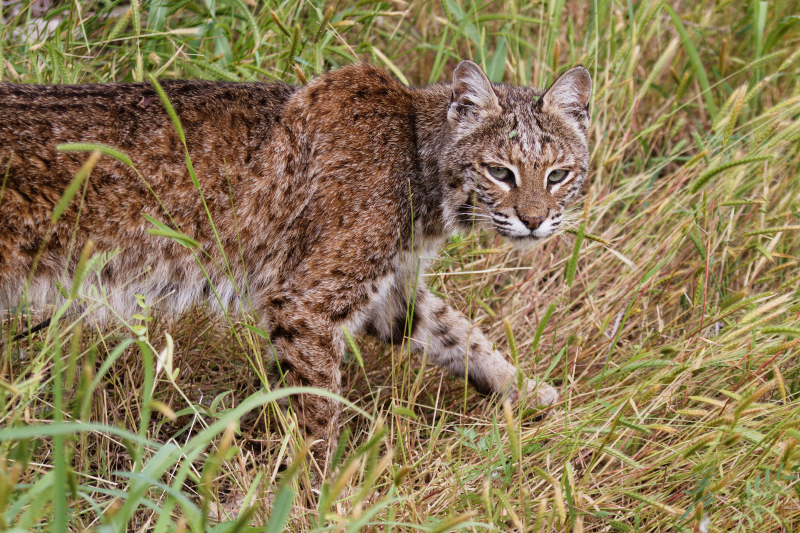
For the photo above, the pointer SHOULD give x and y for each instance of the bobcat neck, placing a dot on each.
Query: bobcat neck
(442, 190)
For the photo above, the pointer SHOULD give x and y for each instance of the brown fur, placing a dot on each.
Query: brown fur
(327, 200)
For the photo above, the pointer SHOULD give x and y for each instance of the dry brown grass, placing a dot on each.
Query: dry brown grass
(673, 341)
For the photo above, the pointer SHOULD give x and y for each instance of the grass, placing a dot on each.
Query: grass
(668, 316)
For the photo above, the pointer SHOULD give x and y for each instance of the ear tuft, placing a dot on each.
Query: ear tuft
(571, 91)
(471, 88)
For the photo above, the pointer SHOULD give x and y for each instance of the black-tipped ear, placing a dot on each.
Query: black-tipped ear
(570, 92)
(471, 89)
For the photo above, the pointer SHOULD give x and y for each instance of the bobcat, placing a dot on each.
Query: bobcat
(328, 201)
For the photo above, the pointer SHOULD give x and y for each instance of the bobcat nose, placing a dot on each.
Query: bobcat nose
(532, 223)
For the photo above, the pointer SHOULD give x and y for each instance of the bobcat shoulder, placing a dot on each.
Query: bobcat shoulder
(326, 202)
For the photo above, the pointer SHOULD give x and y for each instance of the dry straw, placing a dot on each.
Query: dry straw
(669, 323)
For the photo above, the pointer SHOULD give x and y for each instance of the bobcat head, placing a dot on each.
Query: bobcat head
(520, 156)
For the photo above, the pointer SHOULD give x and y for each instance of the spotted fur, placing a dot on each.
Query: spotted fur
(327, 199)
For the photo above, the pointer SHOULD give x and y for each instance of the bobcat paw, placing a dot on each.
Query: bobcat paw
(537, 396)
(540, 394)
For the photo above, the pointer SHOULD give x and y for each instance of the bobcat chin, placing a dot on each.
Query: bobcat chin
(327, 201)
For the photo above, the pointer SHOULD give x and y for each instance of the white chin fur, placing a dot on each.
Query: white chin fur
(524, 243)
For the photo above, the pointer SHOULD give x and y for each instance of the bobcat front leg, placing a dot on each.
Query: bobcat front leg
(309, 355)
(456, 346)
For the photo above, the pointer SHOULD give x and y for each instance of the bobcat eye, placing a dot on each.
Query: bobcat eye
(557, 176)
(501, 173)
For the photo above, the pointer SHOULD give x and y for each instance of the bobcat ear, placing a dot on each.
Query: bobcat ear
(471, 90)
(570, 93)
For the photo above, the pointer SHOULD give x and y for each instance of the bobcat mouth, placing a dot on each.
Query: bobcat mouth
(514, 227)
(509, 227)
(517, 237)
(520, 236)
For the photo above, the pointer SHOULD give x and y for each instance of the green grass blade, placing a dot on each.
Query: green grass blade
(706, 176)
(67, 428)
(173, 116)
(542, 325)
(694, 57)
(251, 21)
(351, 343)
(497, 65)
(74, 186)
(87, 147)
(282, 506)
(388, 62)
(572, 264)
